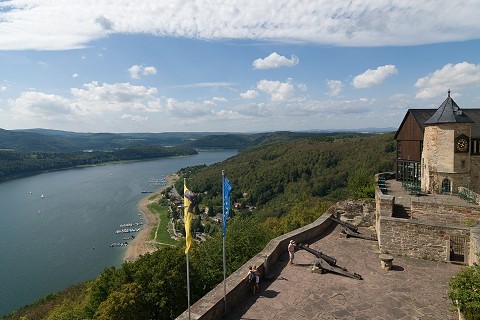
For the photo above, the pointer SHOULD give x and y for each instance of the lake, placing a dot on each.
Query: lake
(57, 227)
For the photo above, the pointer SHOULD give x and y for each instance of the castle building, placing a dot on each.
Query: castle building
(439, 149)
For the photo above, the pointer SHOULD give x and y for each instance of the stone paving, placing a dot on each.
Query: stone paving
(412, 289)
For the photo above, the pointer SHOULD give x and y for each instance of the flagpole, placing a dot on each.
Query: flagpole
(223, 241)
(188, 269)
(188, 288)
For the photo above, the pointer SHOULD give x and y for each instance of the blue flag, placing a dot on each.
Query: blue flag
(226, 203)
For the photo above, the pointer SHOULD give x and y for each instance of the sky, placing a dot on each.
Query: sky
(233, 66)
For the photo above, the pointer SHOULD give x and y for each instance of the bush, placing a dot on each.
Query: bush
(464, 291)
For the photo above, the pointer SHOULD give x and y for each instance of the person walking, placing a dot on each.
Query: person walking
(291, 251)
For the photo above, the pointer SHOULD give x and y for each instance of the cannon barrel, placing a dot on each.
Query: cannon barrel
(345, 224)
(331, 261)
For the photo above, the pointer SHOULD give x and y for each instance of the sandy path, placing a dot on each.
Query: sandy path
(142, 243)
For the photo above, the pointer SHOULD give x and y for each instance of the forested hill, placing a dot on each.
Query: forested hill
(247, 140)
(14, 164)
(275, 177)
(45, 140)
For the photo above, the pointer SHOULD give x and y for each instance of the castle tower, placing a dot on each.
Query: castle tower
(446, 149)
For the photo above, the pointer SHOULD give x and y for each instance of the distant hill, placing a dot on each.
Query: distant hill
(46, 140)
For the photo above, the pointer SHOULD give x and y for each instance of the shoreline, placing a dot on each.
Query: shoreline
(142, 243)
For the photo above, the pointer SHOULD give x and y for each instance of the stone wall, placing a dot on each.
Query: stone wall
(445, 214)
(358, 213)
(383, 208)
(421, 240)
(474, 246)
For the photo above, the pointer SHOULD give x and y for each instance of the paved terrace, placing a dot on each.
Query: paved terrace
(403, 197)
(413, 289)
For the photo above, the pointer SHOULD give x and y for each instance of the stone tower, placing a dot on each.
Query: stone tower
(446, 149)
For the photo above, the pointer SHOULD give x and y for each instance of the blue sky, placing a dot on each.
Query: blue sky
(234, 66)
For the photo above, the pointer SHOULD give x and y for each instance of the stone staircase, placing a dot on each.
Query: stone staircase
(401, 211)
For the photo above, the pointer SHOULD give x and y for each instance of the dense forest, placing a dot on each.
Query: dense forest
(278, 186)
(15, 164)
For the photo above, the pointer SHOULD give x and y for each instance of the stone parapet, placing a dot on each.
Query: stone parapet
(423, 240)
(443, 213)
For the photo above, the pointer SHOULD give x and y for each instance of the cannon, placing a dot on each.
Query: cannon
(350, 230)
(344, 224)
(331, 261)
(327, 263)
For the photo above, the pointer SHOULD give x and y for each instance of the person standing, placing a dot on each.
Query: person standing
(257, 277)
(251, 280)
(291, 251)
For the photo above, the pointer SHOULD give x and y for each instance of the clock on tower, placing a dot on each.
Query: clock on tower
(462, 145)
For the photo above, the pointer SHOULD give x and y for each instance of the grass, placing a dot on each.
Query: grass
(162, 234)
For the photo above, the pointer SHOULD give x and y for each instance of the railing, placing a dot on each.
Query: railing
(382, 184)
(467, 195)
(412, 187)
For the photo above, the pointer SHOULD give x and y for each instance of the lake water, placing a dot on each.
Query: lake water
(57, 227)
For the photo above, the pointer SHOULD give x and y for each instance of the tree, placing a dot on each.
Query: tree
(361, 184)
(464, 291)
(126, 304)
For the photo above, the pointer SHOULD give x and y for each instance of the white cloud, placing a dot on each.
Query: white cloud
(133, 118)
(329, 108)
(274, 61)
(43, 106)
(187, 109)
(279, 91)
(136, 70)
(249, 94)
(64, 24)
(302, 86)
(149, 71)
(451, 76)
(90, 100)
(104, 22)
(255, 110)
(206, 85)
(75, 75)
(115, 97)
(335, 87)
(374, 77)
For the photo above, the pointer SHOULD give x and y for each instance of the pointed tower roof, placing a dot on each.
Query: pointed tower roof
(449, 112)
